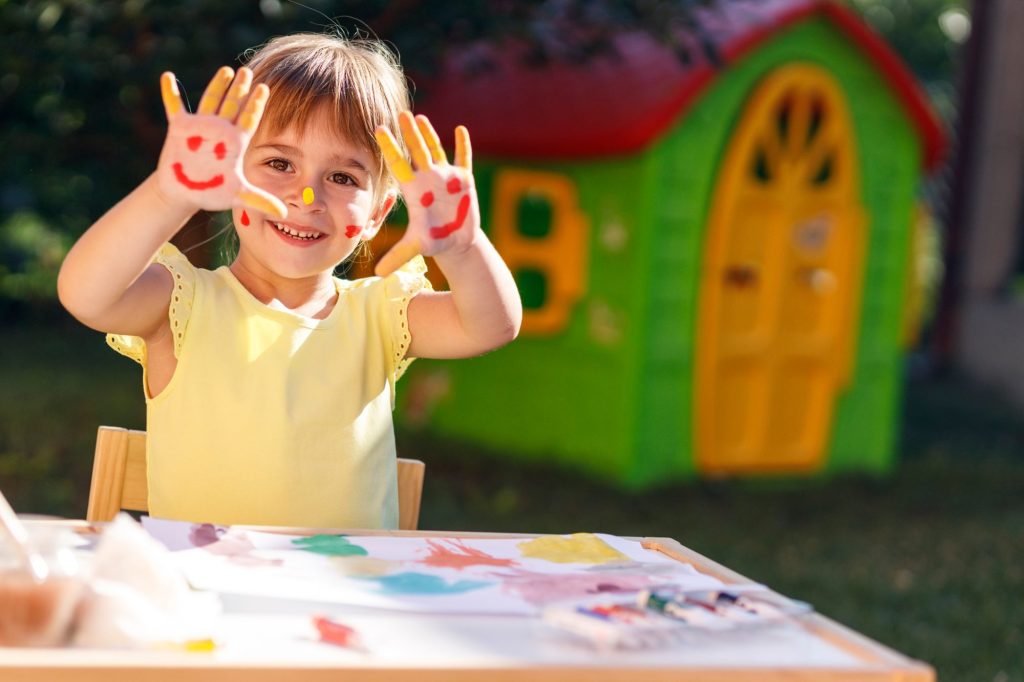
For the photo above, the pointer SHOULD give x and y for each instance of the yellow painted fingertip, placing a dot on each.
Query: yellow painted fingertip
(169, 93)
(307, 196)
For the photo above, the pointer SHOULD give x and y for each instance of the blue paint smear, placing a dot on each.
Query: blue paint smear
(330, 545)
(423, 583)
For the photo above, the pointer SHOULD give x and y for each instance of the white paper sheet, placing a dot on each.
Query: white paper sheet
(427, 575)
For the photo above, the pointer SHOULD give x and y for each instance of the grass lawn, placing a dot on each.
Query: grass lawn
(929, 561)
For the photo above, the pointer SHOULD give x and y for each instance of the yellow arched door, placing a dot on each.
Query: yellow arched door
(780, 281)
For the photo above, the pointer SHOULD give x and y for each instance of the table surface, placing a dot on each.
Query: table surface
(272, 640)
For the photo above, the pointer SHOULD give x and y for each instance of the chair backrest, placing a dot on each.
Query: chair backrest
(119, 478)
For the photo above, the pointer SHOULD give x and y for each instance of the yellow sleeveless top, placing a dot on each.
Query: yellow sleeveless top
(273, 418)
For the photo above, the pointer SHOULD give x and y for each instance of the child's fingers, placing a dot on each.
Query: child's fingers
(257, 199)
(463, 149)
(432, 140)
(170, 95)
(215, 90)
(237, 93)
(399, 254)
(414, 141)
(253, 111)
(400, 168)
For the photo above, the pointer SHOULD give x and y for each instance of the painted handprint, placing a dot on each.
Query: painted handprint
(441, 197)
(200, 164)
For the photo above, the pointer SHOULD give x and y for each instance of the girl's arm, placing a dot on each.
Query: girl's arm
(480, 313)
(483, 310)
(107, 280)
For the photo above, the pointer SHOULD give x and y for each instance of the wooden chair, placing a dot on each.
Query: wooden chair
(119, 478)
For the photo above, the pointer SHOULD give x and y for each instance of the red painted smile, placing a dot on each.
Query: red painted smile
(179, 174)
(460, 217)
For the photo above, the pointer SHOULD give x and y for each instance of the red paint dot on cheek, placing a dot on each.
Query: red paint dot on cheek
(194, 142)
(245, 218)
(352, 231)
(427, 199)
(454, 186)
(220, 150)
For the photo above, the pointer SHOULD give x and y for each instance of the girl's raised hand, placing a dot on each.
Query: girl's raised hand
(440, 197)
(201, 162)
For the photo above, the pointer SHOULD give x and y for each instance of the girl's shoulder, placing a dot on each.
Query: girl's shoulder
(406, 281)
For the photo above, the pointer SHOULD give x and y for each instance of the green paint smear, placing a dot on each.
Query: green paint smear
(330, 545)
(423, 583)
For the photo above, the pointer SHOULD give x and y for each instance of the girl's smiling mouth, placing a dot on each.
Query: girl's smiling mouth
(295, 234)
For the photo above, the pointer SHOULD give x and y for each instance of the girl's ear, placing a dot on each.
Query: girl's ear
(378, 218)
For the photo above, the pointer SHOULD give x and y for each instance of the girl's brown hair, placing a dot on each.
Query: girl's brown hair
(360, 79)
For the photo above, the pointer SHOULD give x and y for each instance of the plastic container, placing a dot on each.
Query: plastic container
(40, 613)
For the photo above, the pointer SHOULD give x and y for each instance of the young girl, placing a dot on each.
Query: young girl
(270, 383)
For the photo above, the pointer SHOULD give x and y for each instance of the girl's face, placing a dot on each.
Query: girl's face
(327, 183)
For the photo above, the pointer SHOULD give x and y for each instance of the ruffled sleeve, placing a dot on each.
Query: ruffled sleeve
(178, 311)
(400, 286)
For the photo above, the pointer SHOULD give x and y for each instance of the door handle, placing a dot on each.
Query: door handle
(740, 276)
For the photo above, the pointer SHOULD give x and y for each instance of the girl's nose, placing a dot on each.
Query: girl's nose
(307, 196)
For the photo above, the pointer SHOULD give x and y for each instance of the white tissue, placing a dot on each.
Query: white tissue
(136, 597)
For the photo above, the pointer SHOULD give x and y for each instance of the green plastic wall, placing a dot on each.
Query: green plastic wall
(620, 405)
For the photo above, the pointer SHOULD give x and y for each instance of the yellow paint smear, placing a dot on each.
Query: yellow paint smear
(578, 548)
(307, 196)
(362, 566)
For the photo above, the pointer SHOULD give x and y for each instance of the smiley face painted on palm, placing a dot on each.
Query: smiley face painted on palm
(441, 197)
(202, 155)
(200, 164)
(454, 186)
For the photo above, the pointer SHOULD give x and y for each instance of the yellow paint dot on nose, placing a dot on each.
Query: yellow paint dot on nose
(307, 196)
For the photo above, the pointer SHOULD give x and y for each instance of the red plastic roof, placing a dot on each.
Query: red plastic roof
(611, 106)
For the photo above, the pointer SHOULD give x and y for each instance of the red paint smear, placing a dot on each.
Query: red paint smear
(454, 186)
(460, 217)
(455, 554)
(220, 150)
(215, 181)
(194, 142)
(352, 231)
(333, 632)
(245, 218)
(427, 199)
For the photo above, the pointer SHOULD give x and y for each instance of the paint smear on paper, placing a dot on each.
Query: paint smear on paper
(541, 589)
(425, 584)
(329, 545)
(235, 546)
(578, 548)
(203, 534)
(455, 554)
(362, 566)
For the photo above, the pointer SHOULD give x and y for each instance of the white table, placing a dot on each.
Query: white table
(268, 639)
